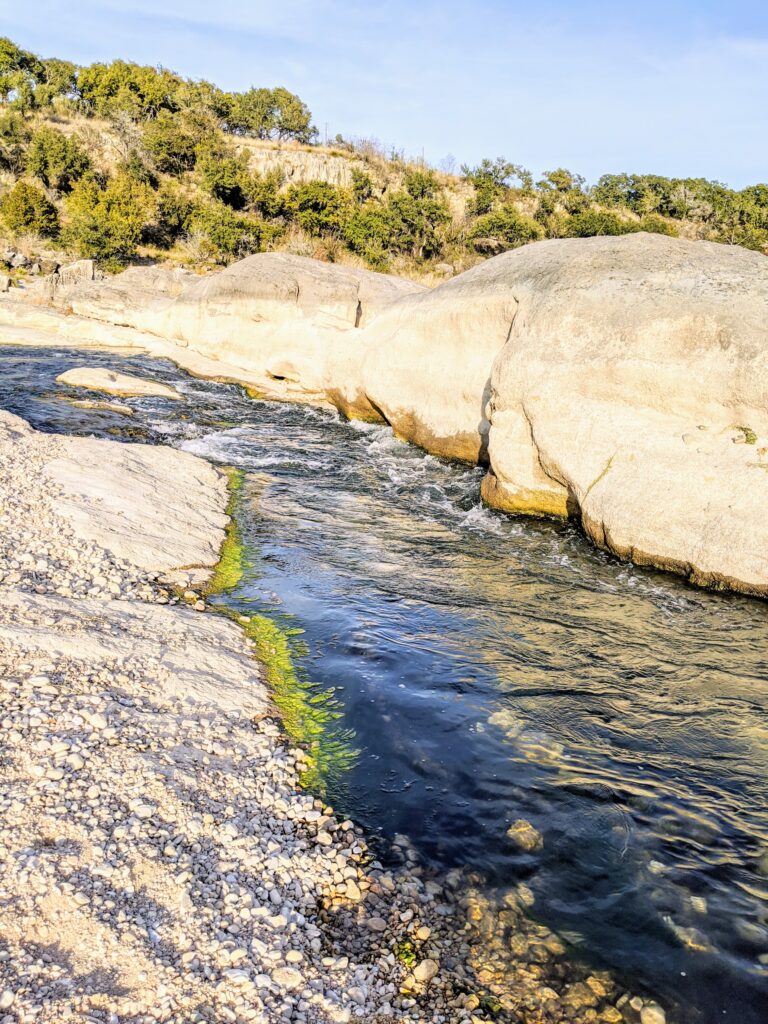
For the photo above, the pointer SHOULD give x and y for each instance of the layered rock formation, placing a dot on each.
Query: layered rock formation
(619, 380)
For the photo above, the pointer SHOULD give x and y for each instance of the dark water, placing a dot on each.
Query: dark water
(495, 669)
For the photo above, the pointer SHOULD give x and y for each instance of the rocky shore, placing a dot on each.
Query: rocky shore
(160, 861)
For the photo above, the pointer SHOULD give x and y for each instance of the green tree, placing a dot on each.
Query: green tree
(492, 179)
(59, 79)
(319, 207)
(225, 235)
(561, 180)
(223, 174)
(507, 225)
(172, 140)
(107, 220)
(57, 160)
(20, 71)
(293, 119)
(27, 208)
(138, 90)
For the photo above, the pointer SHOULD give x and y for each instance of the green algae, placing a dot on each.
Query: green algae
(309, 714)
(231, 564)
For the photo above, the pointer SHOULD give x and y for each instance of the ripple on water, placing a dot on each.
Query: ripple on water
(496, 669)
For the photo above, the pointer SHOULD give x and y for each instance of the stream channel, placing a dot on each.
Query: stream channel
(491, 668)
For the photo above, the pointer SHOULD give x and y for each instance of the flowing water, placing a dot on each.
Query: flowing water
(494, 669)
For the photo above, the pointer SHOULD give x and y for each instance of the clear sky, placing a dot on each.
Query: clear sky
(677, 87)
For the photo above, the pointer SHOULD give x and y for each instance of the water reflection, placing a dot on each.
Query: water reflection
(494, 669)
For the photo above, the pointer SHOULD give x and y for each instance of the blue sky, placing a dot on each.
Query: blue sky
(678, 88)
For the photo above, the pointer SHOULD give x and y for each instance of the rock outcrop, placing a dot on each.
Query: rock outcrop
(619, 380)
(110, 383)
(633, 393)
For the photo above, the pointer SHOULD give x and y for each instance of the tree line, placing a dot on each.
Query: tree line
(181, 179)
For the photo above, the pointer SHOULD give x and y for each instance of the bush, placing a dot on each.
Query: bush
(173, 216)
(319, 208)
(508, 226)
(263, 194)
(223, 175)
(14, 136)
(26, 208)
(225, 235)
(362, 186)
(107, 221)
(598, 222)
(658, 226)
(172, 140)
(369, 231)
(56, 160)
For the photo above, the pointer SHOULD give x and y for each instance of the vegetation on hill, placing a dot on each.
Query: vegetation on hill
(117, 160)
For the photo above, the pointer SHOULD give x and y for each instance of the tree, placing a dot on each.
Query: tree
(20, 71)
(223, 175)
(293, 119)
(107, 221)
(492, 179)
(319, 207)
(269, 113)
(172, 140)
(140, 91)
(58, 161)
(59, 80)
(561, 180)
(26, 208)
(508, 226)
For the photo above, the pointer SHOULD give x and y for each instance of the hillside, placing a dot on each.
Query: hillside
(123, 163)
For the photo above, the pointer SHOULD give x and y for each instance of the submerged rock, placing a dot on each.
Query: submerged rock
(112, 383)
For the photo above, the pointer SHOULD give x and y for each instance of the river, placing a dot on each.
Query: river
(494, 668)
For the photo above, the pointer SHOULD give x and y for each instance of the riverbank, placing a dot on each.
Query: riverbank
(615, 381)
(163, 863)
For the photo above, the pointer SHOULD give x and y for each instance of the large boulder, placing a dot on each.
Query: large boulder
(296, 322)
(633, 392)
(428, 358)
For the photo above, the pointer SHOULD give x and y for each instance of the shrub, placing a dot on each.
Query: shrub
(598, 222)
(658, 226)
(223, 175)
(172, 140)
(319, 207)
(14, 136)
(362, 186)
(369, 231)
(26, 208)
(173, 215)
(263, 194)
(227, 236)
(107, 220)
(56, 160)
(508, 226)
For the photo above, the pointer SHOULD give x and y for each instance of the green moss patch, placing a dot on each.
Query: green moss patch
(230, 567)
(310, 715)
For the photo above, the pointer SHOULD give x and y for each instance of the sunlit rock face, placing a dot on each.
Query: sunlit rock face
(622, 380)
